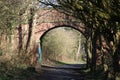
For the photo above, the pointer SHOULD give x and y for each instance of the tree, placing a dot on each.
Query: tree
(8, 16)
(102, 18)
(16, 13)
(26, 14)
(14, 16)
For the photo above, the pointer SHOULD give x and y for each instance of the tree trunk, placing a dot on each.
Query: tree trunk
(94, 40)
(116, 59)
(30, 22)
(79, 47)
(20, 37)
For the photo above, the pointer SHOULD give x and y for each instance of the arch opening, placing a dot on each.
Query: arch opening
(63, 45)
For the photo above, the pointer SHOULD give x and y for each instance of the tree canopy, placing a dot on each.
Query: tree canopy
(10, 11)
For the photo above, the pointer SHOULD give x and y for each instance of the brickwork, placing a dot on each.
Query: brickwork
(49, 18)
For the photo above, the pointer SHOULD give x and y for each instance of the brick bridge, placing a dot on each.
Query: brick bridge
(47, 19)
(50, 18)
(44, 20)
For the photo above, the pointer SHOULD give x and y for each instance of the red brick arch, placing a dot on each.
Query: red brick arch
(50, 18)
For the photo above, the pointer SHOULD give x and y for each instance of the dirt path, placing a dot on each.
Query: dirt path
(50, 73)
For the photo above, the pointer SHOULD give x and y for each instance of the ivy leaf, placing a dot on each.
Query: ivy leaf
(103, 15)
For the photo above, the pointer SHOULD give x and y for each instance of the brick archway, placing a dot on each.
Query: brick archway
(50, 18)
(47, 19)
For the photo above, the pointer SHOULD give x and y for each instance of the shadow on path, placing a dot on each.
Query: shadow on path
(59, 73)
